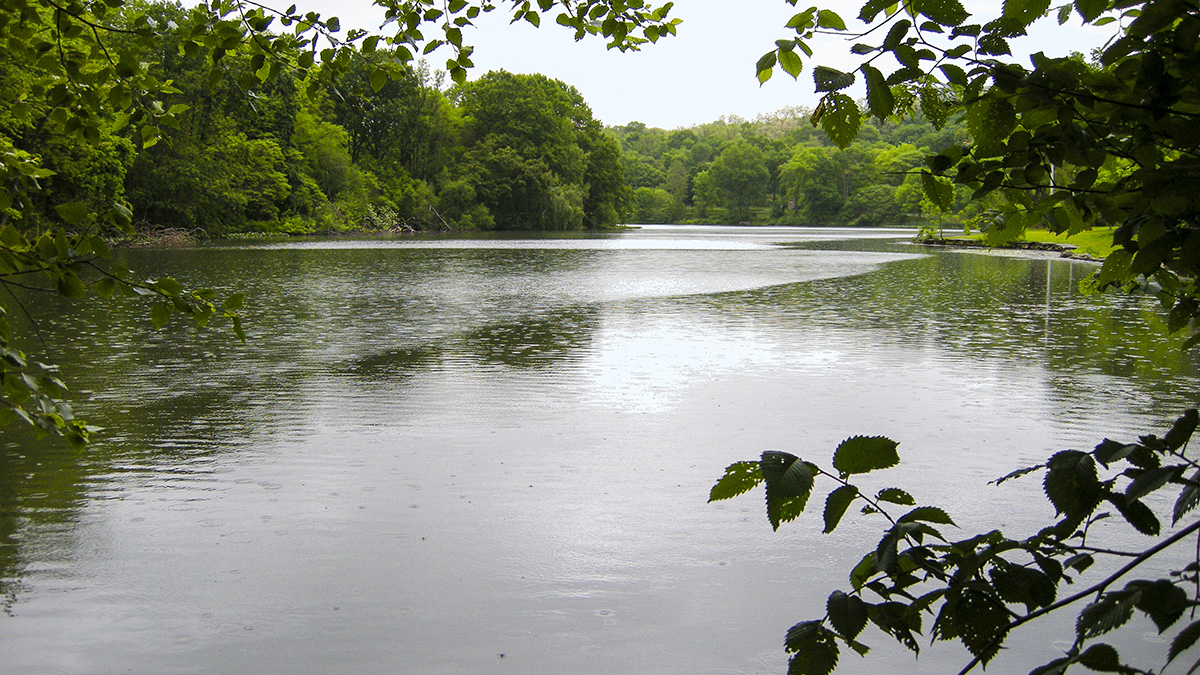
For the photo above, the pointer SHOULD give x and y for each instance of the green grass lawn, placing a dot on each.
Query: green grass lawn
(1096, 242)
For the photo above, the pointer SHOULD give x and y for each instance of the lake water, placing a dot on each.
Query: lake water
(492, 455)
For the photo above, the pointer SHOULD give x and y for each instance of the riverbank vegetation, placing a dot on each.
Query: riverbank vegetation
(781, 170)
(323, 151)
(345, 149)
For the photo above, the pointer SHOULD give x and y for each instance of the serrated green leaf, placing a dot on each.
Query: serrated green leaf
(765, 67)
(940, 192)
(896, 496)
(872, 8)
(1024, 12)
(944, 12)
(69, 286)
(738, 479)
(814, 649)
(990, 120)
(828, 19)
(789, 482)
(235, 301)
(791, 63)
(160, 314)
(862, 454)
(73, 212)
(169, 286)
(1101, 657)
(105, 287)
(830, 79)
(1109, 613)
(1090, 9)
(839, 117)
(847, 614)
(836, 504)
(1189, 496)
(928, 514)
(379, 78)
(1182, 642)
(1182, 430)
(880, 98)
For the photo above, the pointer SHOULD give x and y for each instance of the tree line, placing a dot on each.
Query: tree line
(780, 169)
(378, 144)
(375, 144)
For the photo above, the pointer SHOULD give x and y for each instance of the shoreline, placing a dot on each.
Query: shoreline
(1063, 250)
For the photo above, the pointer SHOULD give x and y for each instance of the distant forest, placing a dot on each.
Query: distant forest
(361, 152)
(780, 169)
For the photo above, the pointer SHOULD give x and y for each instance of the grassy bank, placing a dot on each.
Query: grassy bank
(1096, 242)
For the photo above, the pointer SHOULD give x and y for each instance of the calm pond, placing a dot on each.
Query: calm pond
(492, 455)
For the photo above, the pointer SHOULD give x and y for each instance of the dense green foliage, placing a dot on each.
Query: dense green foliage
(975, 590)
(335, 149)
(779, 169)
(231, 116)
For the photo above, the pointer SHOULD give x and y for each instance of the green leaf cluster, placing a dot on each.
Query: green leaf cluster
(1065, 144)
(977, 589)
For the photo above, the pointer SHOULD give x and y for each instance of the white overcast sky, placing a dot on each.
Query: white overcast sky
(700, 75)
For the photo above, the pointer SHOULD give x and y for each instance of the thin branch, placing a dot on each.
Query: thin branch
(91, 24)
(25, 311)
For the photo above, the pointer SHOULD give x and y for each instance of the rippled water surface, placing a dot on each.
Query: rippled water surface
(492, 455)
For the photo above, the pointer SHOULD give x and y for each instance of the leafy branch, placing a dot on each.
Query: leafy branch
(974, 588)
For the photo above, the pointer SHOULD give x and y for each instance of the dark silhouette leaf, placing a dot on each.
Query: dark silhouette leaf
(847, 613)
(1055, 667)
(1108, 613)
(1161, 600)
(1136, 514)
(1189, 496)
(861, 454)
(814, 649)
(928, 514)
(1018, 473)
(863, 571)
(836, 504)
(1182, 642)
(738, 479)
(789, 482)
(1101, 657)
(893, 619)
(1071, 484)
(896, 496)
(1150, 480)
(1109, 451)
(1182, 430)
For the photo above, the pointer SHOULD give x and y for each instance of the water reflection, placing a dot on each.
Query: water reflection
(512, 440)
(398, 362)
(535, 341)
